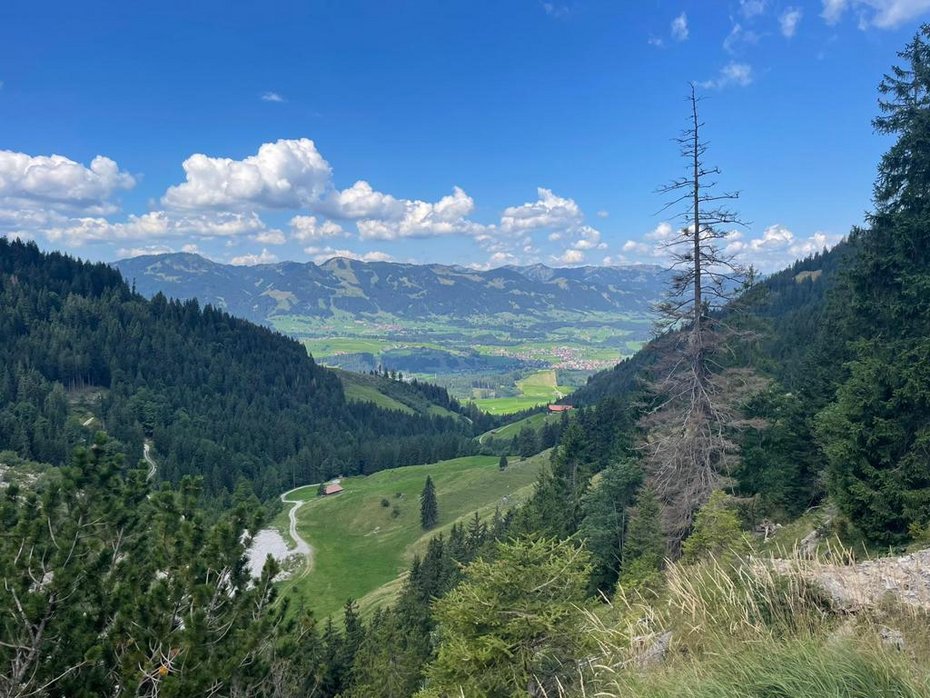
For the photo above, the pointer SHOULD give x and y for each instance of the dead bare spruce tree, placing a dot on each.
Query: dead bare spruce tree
(688, 446)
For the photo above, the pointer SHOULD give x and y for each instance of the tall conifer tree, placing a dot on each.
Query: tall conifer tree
(429, 509)
(877, 433)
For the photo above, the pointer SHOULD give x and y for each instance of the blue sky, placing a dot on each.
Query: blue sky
(478, 133)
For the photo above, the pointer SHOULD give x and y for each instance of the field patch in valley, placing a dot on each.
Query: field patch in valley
(360, 544)
(536, 389)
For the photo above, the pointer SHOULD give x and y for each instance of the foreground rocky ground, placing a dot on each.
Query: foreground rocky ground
(852, 587)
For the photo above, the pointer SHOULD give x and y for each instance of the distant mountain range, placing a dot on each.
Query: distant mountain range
(407, 291)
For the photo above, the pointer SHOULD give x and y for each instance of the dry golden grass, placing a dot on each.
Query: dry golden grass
(754, 628)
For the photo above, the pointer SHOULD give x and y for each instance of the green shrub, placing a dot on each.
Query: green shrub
(717, 530)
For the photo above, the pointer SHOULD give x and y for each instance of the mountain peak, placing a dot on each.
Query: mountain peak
(410, 291)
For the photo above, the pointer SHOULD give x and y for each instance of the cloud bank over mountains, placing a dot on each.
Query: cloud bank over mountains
(223, 198)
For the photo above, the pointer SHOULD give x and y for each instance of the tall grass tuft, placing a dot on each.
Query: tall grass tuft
(744, 628)
(808, 668)
(742, 600)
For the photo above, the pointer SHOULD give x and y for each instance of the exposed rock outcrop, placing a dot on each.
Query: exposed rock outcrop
(906, 579)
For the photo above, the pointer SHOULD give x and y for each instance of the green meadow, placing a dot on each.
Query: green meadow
(536, 389)
(357, 390)
(534, 422)
(361, 546)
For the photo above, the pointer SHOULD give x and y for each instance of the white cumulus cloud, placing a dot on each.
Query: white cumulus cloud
(556, 10)
(322, 254)
(284, 174)
(448, 216)
(549, 211)
(224, 197)
(663, 231)
(775, 248)
(54, 181)
(126, 252)
(789, 20)
(560, 218)
(774, 236)
(883, 14)
(588, 238)
(270, 237)
(362, 201)
(153, 225)
(250, 260)
(732, 74)
(307, 228)
(751, 8)
(738, 38)
(570, 257)
(833, 10)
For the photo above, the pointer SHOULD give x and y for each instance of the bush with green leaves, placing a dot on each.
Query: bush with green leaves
(106, 582)
(513, 625)
(716, 532)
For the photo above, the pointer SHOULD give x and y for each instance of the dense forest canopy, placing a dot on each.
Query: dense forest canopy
(219, 397)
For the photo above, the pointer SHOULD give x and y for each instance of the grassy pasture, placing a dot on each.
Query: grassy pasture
(536, 389)
(534, 421)
(361, 546)
(328, 346)
(358, 390)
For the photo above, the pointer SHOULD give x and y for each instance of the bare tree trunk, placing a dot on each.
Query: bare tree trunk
(687, 444)
(696, 215)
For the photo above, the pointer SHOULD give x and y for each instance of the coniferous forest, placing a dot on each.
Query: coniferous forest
(221, 398)
(691, 533)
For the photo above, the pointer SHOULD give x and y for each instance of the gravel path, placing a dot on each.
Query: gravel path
(147, 455)
(269, 541)
(302, 546)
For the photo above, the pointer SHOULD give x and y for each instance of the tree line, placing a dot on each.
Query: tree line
(221, 398)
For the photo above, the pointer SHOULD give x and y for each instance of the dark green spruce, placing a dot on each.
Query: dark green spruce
(429, 509)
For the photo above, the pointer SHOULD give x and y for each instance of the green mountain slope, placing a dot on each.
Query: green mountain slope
(408, 397)
(408, 291)
(789, 308)
(219, 397)
(361, 544)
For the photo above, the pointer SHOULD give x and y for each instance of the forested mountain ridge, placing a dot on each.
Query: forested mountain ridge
(785, 309)
(408, 291)
(797, 336)
(220, 397)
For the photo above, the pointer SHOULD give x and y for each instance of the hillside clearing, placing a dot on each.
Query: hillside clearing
(360, 544)
(358, 390)
(536, 389)
(389, 394)
(534, 422)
